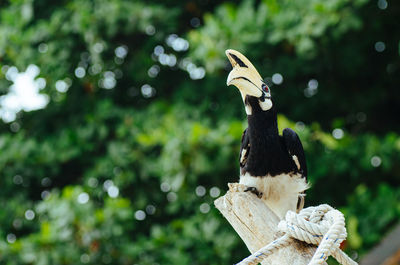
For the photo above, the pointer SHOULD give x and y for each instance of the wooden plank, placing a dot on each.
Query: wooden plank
(387, 252)
(257, 225)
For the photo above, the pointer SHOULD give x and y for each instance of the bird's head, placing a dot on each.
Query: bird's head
(246, 78)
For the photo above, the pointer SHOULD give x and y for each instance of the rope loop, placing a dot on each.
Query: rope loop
(323, 226)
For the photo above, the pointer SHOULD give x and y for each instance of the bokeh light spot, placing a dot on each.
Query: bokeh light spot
(140, 215)
(98, 47)
(177, 43)
(45, 182)
(45, 194)
(204, 208)
(80, 72)
(15, 126)
(312, 88)
(153, 71)
(85, 258)
(24, 93)
(277, 78)
(376, 161)
(17, 179)
(382, 4)
(200, 191)
(338, 133)
(171, 196)
(107, 184)
(150, 209)
(165, 187)
(158, 50)
(29, 214)
(195, 22)
(147, 91)
(150, 30)
(83, 198)
(93, 182)
(197, 73)
(61, 86)
(380, 46)
(121, 51)
(113, 192)
(11, 238)
(17, 223)
(215, 192)
(43, 47)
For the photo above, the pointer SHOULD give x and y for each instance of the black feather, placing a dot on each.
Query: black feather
(268, 153)
(294, 147)
(267, 150)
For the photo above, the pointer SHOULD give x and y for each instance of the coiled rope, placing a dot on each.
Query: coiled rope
(323, 226)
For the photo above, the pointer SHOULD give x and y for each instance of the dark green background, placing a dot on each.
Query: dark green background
(158, 149)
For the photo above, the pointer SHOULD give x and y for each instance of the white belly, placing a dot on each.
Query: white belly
(280, 193)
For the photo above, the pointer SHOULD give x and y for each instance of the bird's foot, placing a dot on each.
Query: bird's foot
(255, 191)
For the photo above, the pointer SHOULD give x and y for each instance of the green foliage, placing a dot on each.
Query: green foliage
(328, 41)
(108, 173)
(69, 229)
(368, 221)
(299, 24)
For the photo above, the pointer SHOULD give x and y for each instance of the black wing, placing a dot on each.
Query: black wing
(295, 148)
(244, 150)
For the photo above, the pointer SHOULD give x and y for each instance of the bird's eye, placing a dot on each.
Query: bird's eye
(265, 87)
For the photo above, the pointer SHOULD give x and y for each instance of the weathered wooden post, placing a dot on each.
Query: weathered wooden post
(257, 225)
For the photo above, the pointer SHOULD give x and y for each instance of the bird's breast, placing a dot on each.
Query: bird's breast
(280, 192)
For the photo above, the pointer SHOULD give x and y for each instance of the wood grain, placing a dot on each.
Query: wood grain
(257, 226)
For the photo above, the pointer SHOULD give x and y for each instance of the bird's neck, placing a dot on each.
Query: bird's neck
(264, 139)
(262, 123)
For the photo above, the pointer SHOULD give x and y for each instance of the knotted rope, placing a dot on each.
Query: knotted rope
(321, 225)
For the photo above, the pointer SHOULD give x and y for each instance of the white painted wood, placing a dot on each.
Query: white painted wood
(257, 226)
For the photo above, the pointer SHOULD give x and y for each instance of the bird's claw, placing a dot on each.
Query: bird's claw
(255, 191)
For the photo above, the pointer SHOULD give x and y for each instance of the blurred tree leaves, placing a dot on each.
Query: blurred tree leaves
(325, 44)
(299, 25)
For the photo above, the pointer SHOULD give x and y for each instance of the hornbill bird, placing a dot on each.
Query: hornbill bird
(272, 166)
